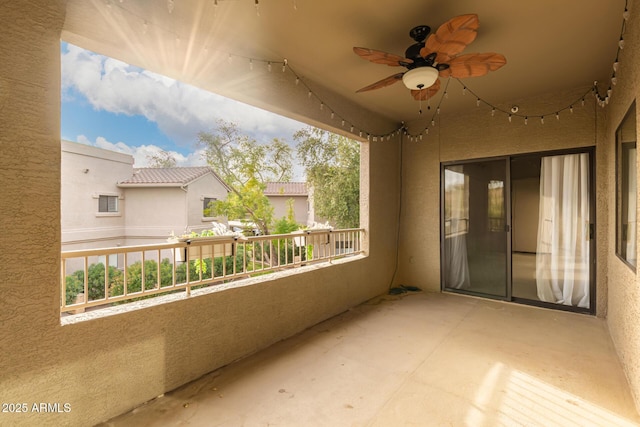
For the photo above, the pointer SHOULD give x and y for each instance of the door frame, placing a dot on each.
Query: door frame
(508, 234)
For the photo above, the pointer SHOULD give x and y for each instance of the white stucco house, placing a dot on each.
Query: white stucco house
(108, 202)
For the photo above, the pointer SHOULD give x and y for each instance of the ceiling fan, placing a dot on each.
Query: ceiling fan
(437, 55)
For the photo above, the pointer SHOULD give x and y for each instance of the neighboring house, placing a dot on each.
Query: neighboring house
(92, 204)
(162, 201)
(107, 202)
(280, 193)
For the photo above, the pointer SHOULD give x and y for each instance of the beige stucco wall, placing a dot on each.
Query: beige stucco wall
(623, 317)
(205, 186)
(155, 212)
(300, 208)
(87, 173)
(105, 366)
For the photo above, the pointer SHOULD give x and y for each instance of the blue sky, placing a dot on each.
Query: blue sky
(113, 105)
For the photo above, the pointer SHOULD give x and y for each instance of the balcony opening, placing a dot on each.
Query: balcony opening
(180, 189)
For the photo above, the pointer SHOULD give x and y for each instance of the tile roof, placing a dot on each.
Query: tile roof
(286, 189)
(167, 176)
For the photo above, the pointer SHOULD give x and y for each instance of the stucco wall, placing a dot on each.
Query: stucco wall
(106, 366)
(87, 173)
(206, 186)
(623, 317)
(154, 212)
(300, 208)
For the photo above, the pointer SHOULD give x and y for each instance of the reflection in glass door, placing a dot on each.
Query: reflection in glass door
(474, 228)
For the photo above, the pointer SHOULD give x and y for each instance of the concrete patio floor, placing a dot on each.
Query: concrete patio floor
(418, 359)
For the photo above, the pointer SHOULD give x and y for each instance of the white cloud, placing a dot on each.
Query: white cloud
(180, 110)
(141, 153)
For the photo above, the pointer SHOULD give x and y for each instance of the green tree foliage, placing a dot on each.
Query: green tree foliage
(284, 247)
(332, 166)
(75, 282)
(162, 159)
(245, 165)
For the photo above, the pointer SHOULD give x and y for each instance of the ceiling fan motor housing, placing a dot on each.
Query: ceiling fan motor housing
(420, 78)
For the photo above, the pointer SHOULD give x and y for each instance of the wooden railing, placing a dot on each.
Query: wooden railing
(108, 276)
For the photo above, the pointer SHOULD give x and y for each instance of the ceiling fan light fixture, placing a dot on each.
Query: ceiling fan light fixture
(420, 78)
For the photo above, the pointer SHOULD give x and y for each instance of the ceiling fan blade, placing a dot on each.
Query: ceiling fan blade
(424, 94)
(473, 65)
(382, 83)
(380, 57)
(452, 37)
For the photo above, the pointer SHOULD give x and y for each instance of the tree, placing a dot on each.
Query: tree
(162, 159)
(332, 166)
(246, 166)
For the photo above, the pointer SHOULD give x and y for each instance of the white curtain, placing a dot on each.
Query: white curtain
(562, 259)
(455, 244)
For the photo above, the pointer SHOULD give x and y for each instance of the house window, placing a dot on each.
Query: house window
(108, 204)
(207, 206)
(626, 189)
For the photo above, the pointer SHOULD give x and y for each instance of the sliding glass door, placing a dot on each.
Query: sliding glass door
(474, 228)
(521, 229)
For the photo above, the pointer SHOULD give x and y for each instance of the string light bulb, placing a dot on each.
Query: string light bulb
(557, 115)
(509, 118)
(251, 64)
(284, 65)
(541, 120)
(621, 43)
(625, 14)
(170, 5)
(257, 7)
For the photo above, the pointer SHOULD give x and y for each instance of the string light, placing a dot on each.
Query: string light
(170, 5)
(621, 43)
(526, 120)
(269, 66)
(251, 64)
(557, 115)
(284, 65)
(258, 7)
(542, 120)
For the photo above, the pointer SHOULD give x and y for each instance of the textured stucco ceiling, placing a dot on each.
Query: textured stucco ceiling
(550, 45)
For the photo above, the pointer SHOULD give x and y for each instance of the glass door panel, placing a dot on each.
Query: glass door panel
(552, 226)
(475, 244)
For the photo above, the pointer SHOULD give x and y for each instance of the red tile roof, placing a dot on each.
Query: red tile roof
(286, 189)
